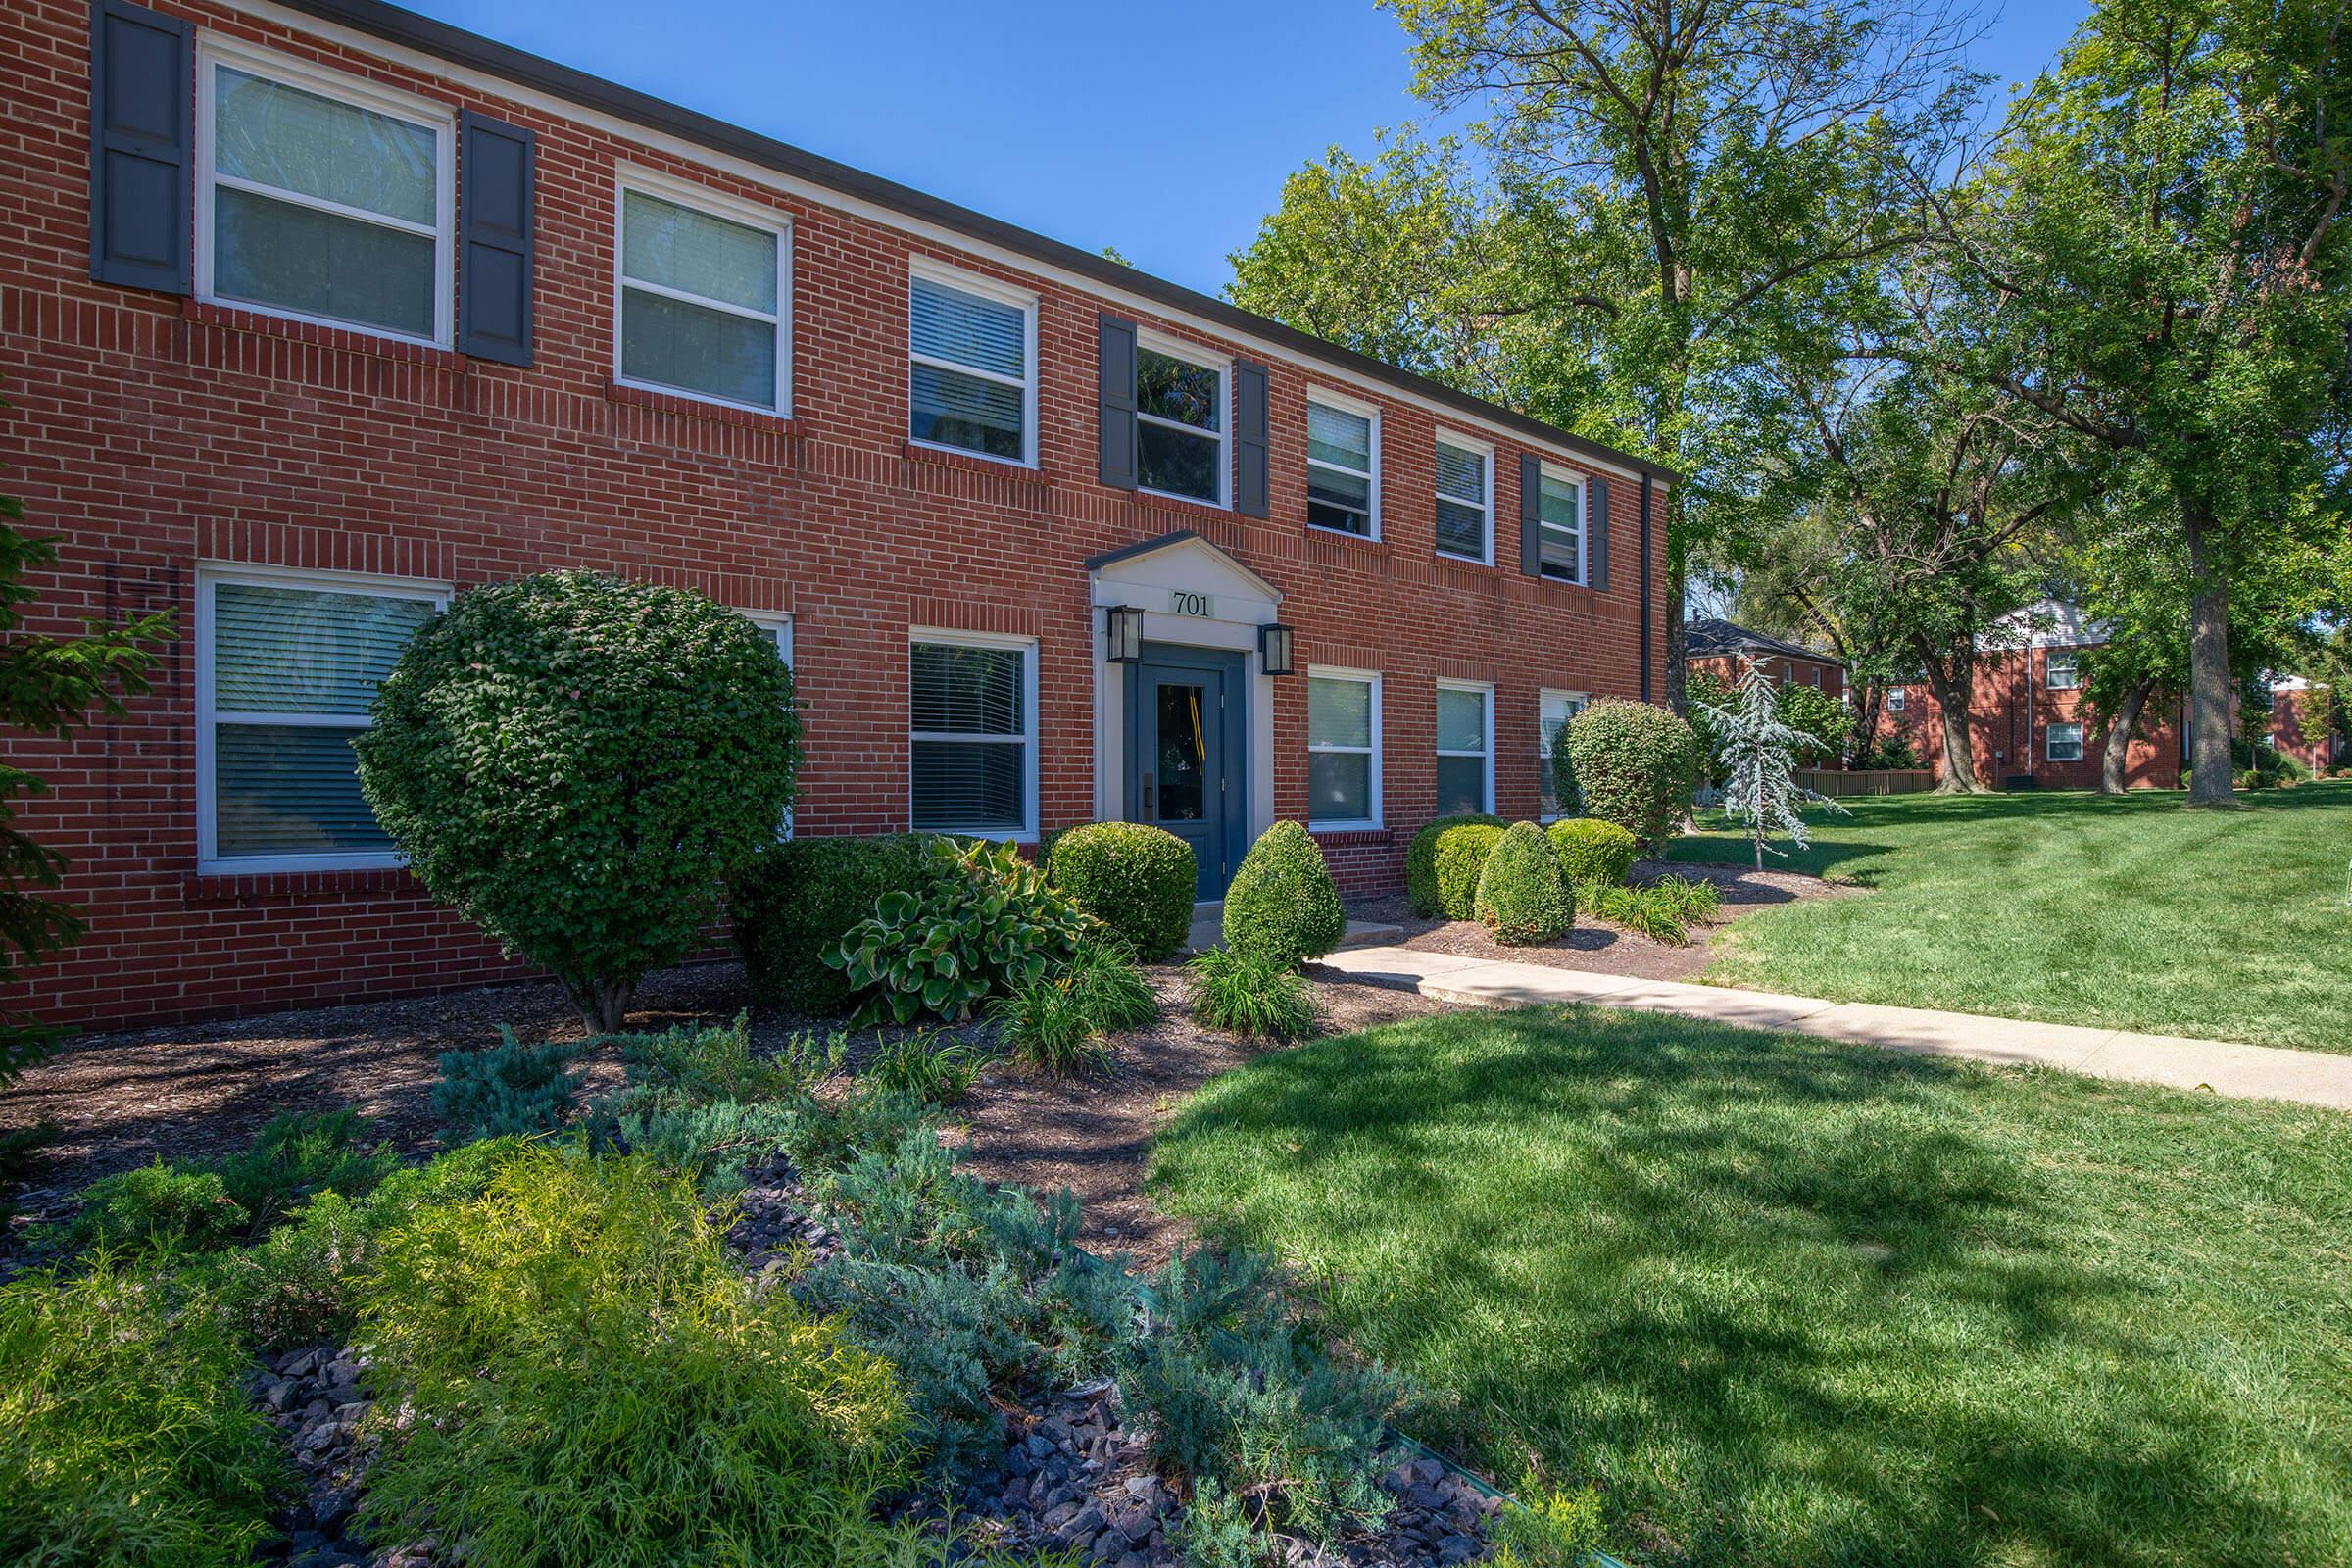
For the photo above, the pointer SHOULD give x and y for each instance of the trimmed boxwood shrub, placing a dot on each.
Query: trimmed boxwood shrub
(1521, 897)
(1593, 851)
(1137, 879)
(1283, 906)
(1421, 863)
(575, 762)
(800, 897)
(1637, 764)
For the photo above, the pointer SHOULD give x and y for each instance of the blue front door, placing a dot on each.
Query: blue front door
(1185, 754)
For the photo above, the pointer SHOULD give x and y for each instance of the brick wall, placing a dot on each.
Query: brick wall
(151, 433)
(2010, 713)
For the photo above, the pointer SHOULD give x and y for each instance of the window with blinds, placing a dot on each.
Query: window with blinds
(974, 738)
(971, 384)
(290, 672)
(1562, 518)
(1343, 749)
(702, 303)
(1339, 469)
(1465, 778)
(1466, 514)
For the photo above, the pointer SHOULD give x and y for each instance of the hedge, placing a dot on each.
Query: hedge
(1283, 906)
(1638, 764)
(1522, 897)
(1593, 851)
(1137, 880)
(801, 895)
(1421, 863)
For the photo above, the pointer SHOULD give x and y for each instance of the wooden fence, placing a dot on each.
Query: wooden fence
(1869, 781)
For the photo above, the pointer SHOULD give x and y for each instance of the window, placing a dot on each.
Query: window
(1895, 698)
(322, 198)
(1179, 424)
(971, 367)
(1560, 503)
(1341, 457)
(974, 734)
(2063, 743)
(286, 668)
(1465, 749)
(778, 629)
(703, 298)
(1342, 748)
(2063, 670)
(1465, 516)
(1554, 709)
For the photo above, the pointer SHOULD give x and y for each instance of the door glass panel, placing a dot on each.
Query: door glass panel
(1183, 753)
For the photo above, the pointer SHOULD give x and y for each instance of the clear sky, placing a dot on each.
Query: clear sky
(1166, 130)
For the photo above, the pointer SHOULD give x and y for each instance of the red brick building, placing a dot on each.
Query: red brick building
(1724, 651)
(320, 311)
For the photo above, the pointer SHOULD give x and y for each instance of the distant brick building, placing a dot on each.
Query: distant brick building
(1724, 650)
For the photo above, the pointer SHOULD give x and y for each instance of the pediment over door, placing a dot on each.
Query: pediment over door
(1181, 574)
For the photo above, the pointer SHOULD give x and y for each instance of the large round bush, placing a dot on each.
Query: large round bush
(1421, 889)
(575, 761)
(1283, 906)
(798, 897)
(1593, 851)
(1521, 897)
(1637, 764)
(1137, 879)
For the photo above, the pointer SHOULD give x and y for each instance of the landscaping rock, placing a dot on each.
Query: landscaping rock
(317, 1397)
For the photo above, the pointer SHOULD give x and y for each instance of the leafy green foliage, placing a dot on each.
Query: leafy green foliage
(1521, 897)
(157, 1206)
(642, 1403)
(1593, 851)
(1137, 879)
(1553, 1529)
(1657, 917)
(1564, 788)
(1283, 905)
(1639, 763)
(984, 920)
(1252, 996)
(509, 1088)
(575, 761)
(708, 1062)
(1454, 841)
(1056, 1024)
(125, 1436)
(799, 897)
(700, 1100)
(935, 1071)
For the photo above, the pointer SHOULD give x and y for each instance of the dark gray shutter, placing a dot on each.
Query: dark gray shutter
(1598, 490)
(142, 132)
(1531, 515)
(497, 172)
(1250, 439)
(1117, 362)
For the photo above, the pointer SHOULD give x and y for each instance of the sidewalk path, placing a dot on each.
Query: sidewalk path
(2260, 1072)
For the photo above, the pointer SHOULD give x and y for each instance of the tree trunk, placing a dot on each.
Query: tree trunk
(603, 1005)
(2208, 665)
(2119, 737)
(1677, 687)
(1953, 682)
(1865, 738)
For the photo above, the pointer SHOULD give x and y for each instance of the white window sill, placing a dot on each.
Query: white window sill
(295, 865)
(1462, 559)
(1358, 826)
(1028, 463)
(773, 411)
(1171, 495)
(1371, 538)
(383, 335)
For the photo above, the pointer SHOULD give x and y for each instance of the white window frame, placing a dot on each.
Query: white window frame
(1485, 689)
(1370, 414)
(1547, 469)
(1486, 455)
(1199, 359)
(208, 577)
(1365, 678)
(2049, 734)
(2074, 670)
(212, 53)
(713, 204)
(1544, 737)
(778, 624)
(1895, 698)
(1004, 294)
(1027, 646)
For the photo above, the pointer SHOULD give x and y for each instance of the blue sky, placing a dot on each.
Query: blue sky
(1163, 130)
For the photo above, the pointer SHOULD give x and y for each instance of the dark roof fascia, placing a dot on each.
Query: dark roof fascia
(1739, 639)
(459, 48)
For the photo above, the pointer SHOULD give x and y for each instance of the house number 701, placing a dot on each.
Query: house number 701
(1181, 603)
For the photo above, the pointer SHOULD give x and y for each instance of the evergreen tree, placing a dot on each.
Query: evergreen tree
(1759, 753)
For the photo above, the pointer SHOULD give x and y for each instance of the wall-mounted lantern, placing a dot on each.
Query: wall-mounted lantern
(1124, 626)
(1274, 647)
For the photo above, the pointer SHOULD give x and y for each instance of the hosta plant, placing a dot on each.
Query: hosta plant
(984, 920)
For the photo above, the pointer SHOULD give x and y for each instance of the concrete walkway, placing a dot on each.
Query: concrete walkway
(2258, 1072)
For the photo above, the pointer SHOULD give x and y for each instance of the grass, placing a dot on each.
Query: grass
(1800, 1304)
(2126, 912)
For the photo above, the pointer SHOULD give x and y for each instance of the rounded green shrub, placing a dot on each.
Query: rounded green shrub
(1421, 889)
(1637, 764)
(1283, 906)
(799, 897)
(575, 762)
(1522, 897)
(1593, 851)
(1137, 879)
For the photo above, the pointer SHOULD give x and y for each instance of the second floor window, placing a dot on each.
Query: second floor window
(1179, 425)
(324, 207)
(971, 381)
(1563, 516)
(2065, 670)
(1339, 469)
(1464, 516)
(702, 303)
(1896, 700)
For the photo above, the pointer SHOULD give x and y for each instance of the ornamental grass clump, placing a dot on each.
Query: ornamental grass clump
(1521, 897)
(575, 762)
(1137, 879)
(1283, 906)
(1250, 996)
(1056, 1024)
(1638, 764)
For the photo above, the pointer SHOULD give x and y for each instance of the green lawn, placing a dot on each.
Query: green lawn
(1793, 1304)
(2125, 913)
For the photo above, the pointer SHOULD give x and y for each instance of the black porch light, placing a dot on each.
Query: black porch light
(1274, 647)
(1124, 626)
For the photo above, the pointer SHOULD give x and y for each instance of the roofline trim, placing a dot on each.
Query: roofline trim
(1173, 539)
(567, 91)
